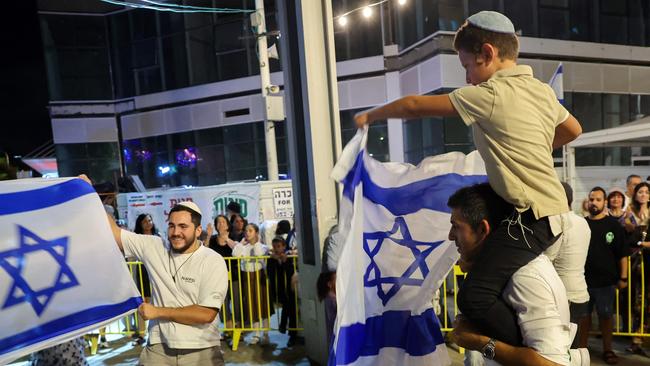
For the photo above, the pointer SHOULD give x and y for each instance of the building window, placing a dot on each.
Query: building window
(76, 55)
(360, 37)
(377, 143)
(204, 157)
(100, 161)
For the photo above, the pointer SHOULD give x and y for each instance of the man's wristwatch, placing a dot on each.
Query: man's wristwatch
(489, 350)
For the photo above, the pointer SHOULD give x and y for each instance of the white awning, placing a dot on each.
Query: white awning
(635, 133)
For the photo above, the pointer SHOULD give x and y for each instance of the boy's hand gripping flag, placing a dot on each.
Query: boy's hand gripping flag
(61, 273)
(395, 219)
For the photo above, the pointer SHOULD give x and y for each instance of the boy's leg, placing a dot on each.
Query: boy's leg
(511, 246)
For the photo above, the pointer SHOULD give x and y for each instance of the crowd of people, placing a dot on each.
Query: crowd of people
(531, 275)
(618, 222)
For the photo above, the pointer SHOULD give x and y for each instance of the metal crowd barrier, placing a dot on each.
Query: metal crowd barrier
(248, 306)
(250, 301)
(631, 305)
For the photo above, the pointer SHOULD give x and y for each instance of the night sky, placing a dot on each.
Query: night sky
(23, 84)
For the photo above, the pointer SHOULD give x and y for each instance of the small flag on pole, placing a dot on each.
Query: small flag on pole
(61, 273)
(557, 83)
(395, 219)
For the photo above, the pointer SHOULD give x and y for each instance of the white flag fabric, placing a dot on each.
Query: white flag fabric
(61, 273)
(557, 83)
(395, 219)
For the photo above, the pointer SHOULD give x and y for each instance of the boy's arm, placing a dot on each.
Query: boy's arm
(412, 106)
(566, 132)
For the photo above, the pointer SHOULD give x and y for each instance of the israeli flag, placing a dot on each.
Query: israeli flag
(557, 83)
(61, 273)
(395, 219)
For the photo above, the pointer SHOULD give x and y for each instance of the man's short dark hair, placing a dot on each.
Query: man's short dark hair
(470, 38)
(629, 177)
(479, 202)
(279, 239)
(196, 217)
(599, 189)
(234, 207)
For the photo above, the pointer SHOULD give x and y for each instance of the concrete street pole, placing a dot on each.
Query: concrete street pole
(258, 20)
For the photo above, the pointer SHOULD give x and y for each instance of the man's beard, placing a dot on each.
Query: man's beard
(595, 211)
(181, 250)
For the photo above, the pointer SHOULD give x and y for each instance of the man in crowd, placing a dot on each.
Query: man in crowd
(189, 284)
(632, 181)
(535, 291)
(605, 269)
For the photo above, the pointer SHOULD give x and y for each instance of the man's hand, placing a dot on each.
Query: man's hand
(148, 311)
(465, 334)
(209, 229)
(621, 284)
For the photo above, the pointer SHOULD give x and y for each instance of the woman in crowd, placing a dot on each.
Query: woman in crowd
(143, 225)
(253, 282)
(636, 224)
(222, 244)
(615, 203)
(237, 225)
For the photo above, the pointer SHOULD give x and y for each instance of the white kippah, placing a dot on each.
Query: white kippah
(191, 205)
(492, 21)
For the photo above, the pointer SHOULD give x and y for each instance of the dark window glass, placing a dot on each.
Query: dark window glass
(474, 6)
(143, 24)
(522, 13)
(587, 108)
(361, 37)
(582, 26)
(98, 160)
(171, 23)
(76, 55)
(148, 80)
(554, 23)
(639, 106)
(613, 21)
(377, 134)
(175, 61)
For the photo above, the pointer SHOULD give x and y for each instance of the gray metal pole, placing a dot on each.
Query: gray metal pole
(308, 62)
(265, 76)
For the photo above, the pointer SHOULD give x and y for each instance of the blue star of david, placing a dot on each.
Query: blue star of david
(13, 261)
(406, 278)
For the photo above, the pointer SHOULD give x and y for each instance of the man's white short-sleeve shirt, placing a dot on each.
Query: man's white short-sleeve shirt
(179, 280)
(569, 254)
(539, 299)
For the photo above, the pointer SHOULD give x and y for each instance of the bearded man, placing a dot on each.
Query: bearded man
(189, 283)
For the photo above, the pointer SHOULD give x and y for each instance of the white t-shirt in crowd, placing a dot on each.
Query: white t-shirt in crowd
(537, 295)
(179, 280)
(569, 254)
(244, 249)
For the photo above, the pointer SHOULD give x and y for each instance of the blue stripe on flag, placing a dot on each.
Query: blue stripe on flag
(66, 324)
(431, 193)
(417, 335)
(17, 202)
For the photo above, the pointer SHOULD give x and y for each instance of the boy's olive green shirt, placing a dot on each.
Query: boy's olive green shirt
(513, 118)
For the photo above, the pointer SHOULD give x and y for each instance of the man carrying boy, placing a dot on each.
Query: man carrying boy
(516, 121)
